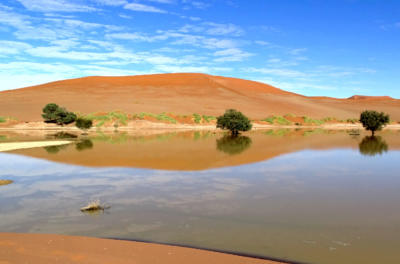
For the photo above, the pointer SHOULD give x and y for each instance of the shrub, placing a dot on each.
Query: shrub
(373, 121)
(208, 119)
(83, 123)
(234, 121)
(52, 113)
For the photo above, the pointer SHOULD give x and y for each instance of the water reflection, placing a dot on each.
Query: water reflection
(373, 145)
(233, 145)
(55, 149)
(84, 145)
(62, 135)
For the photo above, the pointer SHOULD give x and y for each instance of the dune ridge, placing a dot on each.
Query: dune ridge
(182, 93)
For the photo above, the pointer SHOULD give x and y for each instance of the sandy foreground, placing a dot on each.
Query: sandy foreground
(27, 145)
(44, 248)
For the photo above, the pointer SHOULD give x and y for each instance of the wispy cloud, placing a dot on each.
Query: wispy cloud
(55, 6)
(143, 8)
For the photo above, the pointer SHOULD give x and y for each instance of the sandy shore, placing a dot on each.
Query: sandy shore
(43, 248)
(27, 145)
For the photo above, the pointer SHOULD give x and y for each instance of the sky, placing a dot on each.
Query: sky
(313, 47)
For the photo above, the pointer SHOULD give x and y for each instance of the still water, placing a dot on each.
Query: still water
(310, 196)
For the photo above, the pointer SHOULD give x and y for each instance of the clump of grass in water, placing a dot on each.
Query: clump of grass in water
(94, 206)
(5, 182)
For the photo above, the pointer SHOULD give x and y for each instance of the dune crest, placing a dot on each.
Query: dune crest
(181, 93)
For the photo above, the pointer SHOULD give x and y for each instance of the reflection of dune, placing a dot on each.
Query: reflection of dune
(197, 150)
(182, 93)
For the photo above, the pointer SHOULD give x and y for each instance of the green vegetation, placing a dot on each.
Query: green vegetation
(208, 119)
(197, 118)
(278, 132)
(160, 117)
(101, 119)
(83, 123)
(371, 146)
(373, 120)
(309, 120)
(2, 119)
(280, 120)
(52, 113)
(234, 121)
(352, 120)
(232, 144)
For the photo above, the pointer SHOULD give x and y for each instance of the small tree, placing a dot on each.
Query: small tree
(235, 121)
(52, 113)
(373, 120)
(83, 123)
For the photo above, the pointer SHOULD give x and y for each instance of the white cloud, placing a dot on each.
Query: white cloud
(55, 6)
(223, 29)
(277, 72)
(143, 8)
(12, 47)
(232, 54)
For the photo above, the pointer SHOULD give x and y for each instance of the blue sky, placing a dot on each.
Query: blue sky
(313, 47)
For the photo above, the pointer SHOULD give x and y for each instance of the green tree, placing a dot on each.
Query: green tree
(371, 146)
(52, 113)
(234, 121)
(83, 123)
(373, 121)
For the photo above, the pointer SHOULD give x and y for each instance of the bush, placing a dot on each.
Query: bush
(83, 123)
(373, 121)
(52, 113)
(235, 121)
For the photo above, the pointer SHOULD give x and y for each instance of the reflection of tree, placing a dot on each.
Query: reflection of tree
(371, 146)
(233, 144)
(84, 144)
(62, 135)
(55, 149)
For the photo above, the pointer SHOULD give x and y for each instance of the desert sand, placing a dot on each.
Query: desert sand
(182, 93)
(27, 145)
(43, 248)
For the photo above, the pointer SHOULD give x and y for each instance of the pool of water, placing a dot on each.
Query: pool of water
(308, 196)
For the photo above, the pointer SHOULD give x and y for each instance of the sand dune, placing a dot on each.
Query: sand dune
(182, 93)
(45, 248)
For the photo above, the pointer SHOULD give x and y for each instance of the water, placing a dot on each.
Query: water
(307, 196)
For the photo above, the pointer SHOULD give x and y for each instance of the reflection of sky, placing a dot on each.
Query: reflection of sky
(320, 189)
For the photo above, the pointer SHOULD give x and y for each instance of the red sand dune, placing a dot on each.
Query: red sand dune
(182, 93)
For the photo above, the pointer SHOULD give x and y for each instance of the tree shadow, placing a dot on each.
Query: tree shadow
(373, 145)
(233, 145)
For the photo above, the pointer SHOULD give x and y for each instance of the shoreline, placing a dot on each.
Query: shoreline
(156, 126)
(50, 248)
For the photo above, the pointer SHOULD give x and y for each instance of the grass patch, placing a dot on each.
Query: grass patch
(352, 120)
(280, 120)
(159, 117)
(208, 119)
(2, 119)
(101, 119)
(309, 120)
(197, 118)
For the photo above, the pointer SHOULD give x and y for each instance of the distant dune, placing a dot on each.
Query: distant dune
(182, 93)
